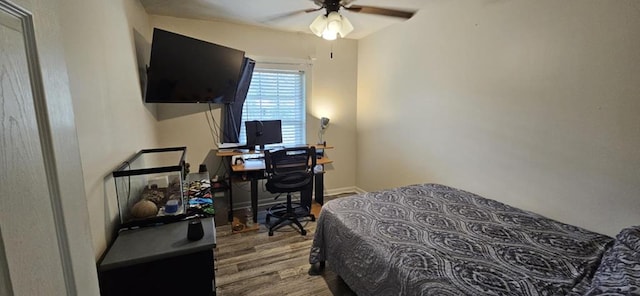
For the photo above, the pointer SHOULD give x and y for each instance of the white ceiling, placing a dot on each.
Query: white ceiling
(271, 13)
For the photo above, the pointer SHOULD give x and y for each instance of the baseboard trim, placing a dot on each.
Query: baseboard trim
(342, 190)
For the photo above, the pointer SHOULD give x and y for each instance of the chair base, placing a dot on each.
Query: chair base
(278, 210)
(288, 213)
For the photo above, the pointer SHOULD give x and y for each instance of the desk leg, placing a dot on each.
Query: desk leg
(254, 199)
(230, 212)
(227, 161)
(305, 198)
(319, 186)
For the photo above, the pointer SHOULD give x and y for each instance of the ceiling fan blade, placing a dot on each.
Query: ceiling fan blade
(312, 9)
(290, 14)
(381, 11)
(346, 2)
(318, 2)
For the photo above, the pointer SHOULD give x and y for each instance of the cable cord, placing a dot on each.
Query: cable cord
(213, 127)
(213, 135)
(216, 125)
(233, 123)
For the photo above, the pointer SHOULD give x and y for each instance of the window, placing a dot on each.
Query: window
(277, 94)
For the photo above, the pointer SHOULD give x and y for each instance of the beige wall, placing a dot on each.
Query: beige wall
(112, 122)
(533, 103)
(333, 90)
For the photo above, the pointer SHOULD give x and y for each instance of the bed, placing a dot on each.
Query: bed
(431, 239)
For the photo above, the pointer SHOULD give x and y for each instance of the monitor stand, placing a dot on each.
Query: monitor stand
(261, 148)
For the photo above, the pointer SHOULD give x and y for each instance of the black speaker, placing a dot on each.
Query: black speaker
(195, 231)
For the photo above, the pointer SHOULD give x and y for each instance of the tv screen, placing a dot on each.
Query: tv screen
(187, 70)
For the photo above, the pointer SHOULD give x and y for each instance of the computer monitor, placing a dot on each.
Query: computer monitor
(263, 132)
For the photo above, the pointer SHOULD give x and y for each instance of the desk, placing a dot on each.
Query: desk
(254, 169)
(159, 260)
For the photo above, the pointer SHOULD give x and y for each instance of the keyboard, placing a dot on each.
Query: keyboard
(250, 156)
(229, 145)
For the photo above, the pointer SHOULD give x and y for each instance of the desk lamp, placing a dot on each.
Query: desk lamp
(324, 123)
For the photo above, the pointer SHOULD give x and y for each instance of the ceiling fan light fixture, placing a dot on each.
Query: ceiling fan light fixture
(329, 35)
(319, 25)
(334, 21)
(329, 26)
(346, 27)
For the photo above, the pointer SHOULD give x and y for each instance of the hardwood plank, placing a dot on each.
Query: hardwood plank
(254, 255)
(254, 263)
(294, 271)
(249, 273)
(226, 269)
(272, 259)
(247, 286)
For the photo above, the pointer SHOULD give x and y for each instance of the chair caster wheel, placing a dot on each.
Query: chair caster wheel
(303, 232)
(270, 233)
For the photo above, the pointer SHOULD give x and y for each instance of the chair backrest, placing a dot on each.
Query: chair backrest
(290, 169)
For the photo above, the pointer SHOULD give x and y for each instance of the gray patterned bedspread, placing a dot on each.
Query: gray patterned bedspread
(436, 240)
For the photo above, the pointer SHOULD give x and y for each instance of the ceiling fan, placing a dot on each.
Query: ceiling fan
(332, 23)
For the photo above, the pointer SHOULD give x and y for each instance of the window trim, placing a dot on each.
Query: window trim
(286, 64)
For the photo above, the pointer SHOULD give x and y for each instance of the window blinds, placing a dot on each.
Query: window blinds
(277, 94)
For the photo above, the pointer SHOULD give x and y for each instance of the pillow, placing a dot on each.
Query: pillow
(619, 270)
(630, 237)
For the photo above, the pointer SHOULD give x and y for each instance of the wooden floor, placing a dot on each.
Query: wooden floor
(254, 263)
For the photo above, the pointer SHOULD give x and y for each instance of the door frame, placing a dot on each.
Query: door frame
(59, 146)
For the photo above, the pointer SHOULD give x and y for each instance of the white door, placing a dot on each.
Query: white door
(36, 243)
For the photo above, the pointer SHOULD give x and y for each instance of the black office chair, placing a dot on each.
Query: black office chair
(290, 170)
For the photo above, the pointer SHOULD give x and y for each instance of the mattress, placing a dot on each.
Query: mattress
(430, 239)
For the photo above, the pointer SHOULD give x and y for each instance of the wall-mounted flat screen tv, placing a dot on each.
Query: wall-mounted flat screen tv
(187, 70)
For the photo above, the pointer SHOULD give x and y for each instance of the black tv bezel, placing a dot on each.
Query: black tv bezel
(229, 98)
